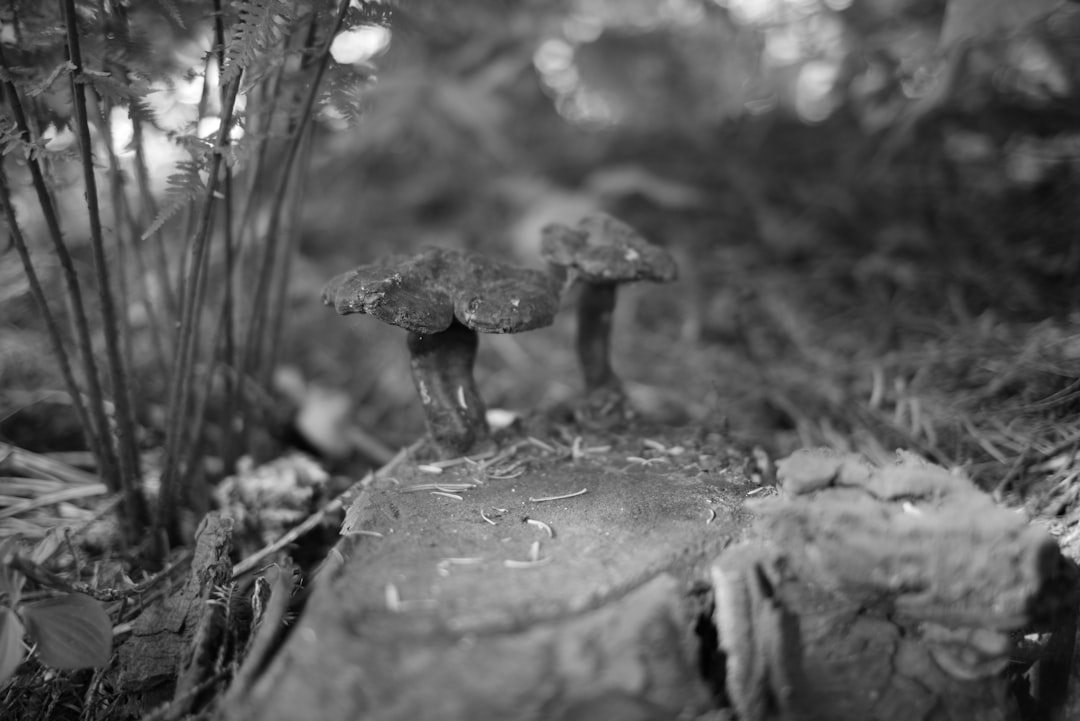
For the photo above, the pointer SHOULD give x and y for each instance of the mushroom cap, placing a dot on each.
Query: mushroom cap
(603, 249)
(493, 297)
(426, 292)
(398, 289)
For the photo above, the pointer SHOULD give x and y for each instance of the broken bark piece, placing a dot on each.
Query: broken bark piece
(916, 538)
(169, 639)
(812, 469)
(967, 653)
(443, 298)
(601, 253)
(759, 638)
(911, 588)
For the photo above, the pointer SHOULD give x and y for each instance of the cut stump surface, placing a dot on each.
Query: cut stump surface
(506, 605)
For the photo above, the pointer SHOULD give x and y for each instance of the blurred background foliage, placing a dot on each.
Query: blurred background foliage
(872, 203)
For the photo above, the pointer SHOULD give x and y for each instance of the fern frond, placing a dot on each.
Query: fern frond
(260, 26)
(346, 94)
(41, 37)
(12, 141)
(197, 146)
(171, 11)
(370, 12)
(44, 84)
(184, 187)
(108, 87)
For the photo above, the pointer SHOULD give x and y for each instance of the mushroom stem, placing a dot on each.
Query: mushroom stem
(595, 309)
(442, 367)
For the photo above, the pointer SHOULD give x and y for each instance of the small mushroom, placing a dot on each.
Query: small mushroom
(601, 253)
(443, 298)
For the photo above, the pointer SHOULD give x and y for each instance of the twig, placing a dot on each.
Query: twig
(48, 499)
(541, 444)
(44, 577)
(253, 561)
(266, 635)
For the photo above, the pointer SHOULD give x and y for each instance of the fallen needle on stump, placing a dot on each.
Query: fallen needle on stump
(541, 524)
(582, 492)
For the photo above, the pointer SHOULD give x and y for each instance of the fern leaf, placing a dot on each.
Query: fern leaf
(260, 26)
(197, 146)
(38, 88)
(171, 11)
(108, 87)
(370, 12)
(12, 141)
(185, 186)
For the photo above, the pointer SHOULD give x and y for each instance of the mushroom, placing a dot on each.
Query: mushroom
(601, 253)
(443, 298)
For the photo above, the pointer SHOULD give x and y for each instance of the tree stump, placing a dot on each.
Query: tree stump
(502, 604)
(606, 583)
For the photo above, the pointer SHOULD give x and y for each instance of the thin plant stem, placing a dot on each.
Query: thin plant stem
(136, 517)
(229, 350)
(180, 383)
(253, 343)
(118, 25)
(188, 441)
(123, 243)
(289, 212)
(198, 422)
(107, 461)
(51, 326)
(281, 287)
(193, 442)
(261, 105)
(142, 270)
(150, 211)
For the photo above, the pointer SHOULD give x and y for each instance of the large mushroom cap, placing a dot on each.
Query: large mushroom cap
(603, 249)
(399, 290)
(424, 293)
(492, 297)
